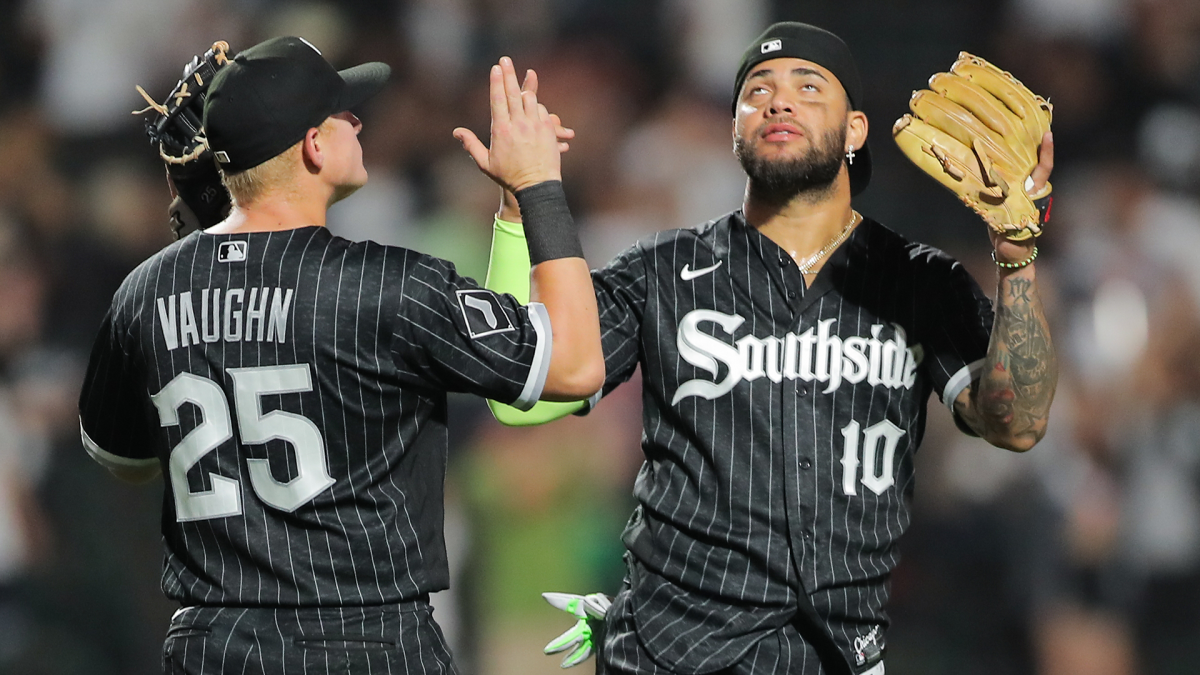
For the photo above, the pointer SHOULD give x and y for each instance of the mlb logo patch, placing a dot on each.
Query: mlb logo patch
(483, 313)
(771, 46)
(231, 251)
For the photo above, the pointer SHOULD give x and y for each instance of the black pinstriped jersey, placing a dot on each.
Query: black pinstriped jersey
(780, 424)
(292, 386)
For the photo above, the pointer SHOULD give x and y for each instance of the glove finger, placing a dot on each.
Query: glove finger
(560, 600)
(981, 104)
(940, 155)
(1035, 112)
(578, 656)
(596, 605)
(578, 633)
(567, 602)
(953, 165)
(940, 112)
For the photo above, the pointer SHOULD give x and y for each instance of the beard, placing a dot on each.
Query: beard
(778, 181)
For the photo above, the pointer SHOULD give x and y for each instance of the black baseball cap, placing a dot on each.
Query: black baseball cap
(792, 39)
(268, 96)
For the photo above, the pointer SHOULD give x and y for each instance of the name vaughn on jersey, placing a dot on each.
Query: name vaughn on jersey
(232, 315)
(882, 358)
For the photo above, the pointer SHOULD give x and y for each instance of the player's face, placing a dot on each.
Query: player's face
(344, 159)
(787, 106)
(790, 127)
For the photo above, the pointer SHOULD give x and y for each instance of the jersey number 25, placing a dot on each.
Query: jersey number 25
(249, 385)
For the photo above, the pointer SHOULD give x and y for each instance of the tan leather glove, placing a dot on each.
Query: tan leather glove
(977, 130)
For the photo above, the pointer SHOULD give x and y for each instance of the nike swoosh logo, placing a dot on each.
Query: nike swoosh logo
(687, 274)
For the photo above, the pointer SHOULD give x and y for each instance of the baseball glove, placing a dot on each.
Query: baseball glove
(174, 127)
(977, 130)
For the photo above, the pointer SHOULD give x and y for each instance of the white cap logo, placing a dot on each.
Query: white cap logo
(771, 46)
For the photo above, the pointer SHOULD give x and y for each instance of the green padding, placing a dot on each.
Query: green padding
(508, 272)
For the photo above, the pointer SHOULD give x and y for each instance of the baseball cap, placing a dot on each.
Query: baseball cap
(271, 94)
(792, 39)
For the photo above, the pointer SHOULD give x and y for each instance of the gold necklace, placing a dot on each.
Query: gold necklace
(808, 263)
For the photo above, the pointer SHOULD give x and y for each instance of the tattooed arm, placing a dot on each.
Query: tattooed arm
(1009, 404)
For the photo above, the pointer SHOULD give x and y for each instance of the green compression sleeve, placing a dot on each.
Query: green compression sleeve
(508, 272)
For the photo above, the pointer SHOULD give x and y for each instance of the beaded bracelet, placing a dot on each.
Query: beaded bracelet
(1017, 265)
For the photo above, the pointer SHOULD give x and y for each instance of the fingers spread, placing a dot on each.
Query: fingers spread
(474, 147)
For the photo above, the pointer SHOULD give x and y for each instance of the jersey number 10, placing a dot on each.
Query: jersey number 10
(879, 456)
(249, 386)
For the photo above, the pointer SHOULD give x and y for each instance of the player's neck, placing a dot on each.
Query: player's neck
(272, 214)
(802, 226)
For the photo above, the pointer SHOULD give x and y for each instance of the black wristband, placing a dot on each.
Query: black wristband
(549, 228)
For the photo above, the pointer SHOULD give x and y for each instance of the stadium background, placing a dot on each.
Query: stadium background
(1081, 557)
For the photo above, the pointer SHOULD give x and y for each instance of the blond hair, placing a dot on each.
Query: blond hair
(272, 176)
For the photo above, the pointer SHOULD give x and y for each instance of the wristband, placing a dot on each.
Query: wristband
(549, 228)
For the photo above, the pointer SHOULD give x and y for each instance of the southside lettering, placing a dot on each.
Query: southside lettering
(816, 354)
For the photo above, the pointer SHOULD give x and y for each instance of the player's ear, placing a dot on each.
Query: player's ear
(856, 129)
(312, 150)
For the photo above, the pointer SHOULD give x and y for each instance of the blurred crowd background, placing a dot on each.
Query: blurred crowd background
(1082, 556)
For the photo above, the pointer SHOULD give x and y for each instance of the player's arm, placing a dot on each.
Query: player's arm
(1009, 403)
(524, 158)
(509, 272)
(110, 426)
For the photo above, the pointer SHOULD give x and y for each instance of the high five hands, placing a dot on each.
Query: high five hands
(526, 139)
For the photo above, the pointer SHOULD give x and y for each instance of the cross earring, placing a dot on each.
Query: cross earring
(850, 155)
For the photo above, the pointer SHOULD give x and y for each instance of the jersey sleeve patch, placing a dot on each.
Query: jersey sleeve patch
(483, 313)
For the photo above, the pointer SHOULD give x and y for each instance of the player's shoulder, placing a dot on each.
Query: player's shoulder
(149, 270)
(399, 263)
(705, 234)
(914, 255)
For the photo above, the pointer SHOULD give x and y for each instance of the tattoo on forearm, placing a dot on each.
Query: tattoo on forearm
(1018, 382)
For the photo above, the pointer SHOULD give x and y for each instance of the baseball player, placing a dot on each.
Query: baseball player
(787, 351)
(291, 385)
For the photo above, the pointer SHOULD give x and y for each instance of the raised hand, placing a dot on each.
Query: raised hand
(525, 146)
(1013, 251)
(508, 202)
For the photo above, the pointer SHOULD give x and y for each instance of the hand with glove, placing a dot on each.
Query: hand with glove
(200, 198)
(586, 635)
(986, 137)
